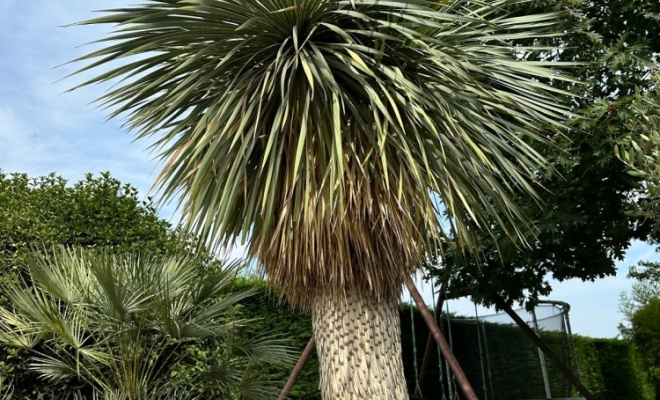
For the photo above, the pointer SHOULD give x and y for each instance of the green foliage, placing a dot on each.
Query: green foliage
(640, 149)
(645, 289)
(277, 318)
(612, 370)
(122, 323)
(94, 212)
(584, 224)
(645, 334)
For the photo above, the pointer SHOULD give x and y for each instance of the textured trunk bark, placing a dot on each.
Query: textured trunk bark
(358, 341)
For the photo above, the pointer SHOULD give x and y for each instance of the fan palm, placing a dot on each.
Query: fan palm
(322, 134)
(122, 323)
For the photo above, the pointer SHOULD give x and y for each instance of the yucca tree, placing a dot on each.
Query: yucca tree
(324, 132)
(121, 323)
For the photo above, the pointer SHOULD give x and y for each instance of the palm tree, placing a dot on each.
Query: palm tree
(122, 324)
(323, 132)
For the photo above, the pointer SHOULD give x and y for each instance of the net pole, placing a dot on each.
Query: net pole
(451, 379)
(567, 321)
(414, 343)
(490, 375)
(566, 347)
(481, 355)
(441, 375)
(500, 303)
(544, 370)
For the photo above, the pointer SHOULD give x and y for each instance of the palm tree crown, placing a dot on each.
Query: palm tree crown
(322, 131)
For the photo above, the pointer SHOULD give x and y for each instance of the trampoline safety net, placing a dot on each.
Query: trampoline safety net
(499, 359)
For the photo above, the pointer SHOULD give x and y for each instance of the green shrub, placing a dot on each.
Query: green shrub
(279, 319)
(98, 211)
(129, 326)
(611, 369)
(645, 334)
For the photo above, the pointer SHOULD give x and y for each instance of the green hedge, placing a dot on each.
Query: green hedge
(608, 367)
(270, 316)
(611, 370)
(515, 369)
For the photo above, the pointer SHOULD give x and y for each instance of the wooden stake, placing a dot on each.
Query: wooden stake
(499, 301)
(455, 367)
(298, 368)
(430, 343)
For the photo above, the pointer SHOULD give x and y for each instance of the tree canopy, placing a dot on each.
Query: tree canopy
(640, 149)
(306, 126)
(97, 211)
(587, 218)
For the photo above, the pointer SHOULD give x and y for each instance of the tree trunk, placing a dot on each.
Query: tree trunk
(358, 341)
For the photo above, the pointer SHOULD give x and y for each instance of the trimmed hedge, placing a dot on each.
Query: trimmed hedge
(270, 316)
(611, 369)
(608, 367)
(515, 370)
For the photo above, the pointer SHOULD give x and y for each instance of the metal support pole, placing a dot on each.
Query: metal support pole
(499, 301)
(567, 321)
(481, 355)
(544, 369)
(440, 339)
(298, 368)
(490, 375)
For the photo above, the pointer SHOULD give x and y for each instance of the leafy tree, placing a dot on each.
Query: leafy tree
(590, 209)
(121, 322)
(645, 290)
(321, 133)
(640, 149)
(645, 334)
(94, 212)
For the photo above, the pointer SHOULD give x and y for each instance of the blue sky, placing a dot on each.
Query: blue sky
(43, 130)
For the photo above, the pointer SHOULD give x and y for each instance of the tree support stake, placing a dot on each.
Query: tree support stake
(430, 347)
(298, 368)
(499, 302)
(455, 367)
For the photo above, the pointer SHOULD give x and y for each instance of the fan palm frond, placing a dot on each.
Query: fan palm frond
(123, 332)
